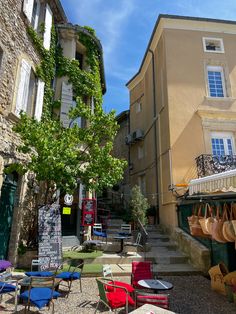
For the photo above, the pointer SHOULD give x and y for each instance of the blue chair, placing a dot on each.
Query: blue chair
(8, 286)
(41, 293)
(74, 272)
(98, 232)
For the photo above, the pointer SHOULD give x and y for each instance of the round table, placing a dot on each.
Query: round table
(121, 238)
(155, 284)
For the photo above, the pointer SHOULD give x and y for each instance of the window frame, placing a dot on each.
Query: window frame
(225, 136)
(219, 69)
(220, 40)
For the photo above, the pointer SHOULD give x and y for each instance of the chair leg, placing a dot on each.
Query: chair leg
(80, 285)
(97, 307)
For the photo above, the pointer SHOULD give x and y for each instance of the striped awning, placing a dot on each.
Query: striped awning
(220, 182)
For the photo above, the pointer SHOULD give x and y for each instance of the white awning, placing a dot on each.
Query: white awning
(220, 182)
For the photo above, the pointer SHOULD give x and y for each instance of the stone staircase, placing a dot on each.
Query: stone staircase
(166, 257)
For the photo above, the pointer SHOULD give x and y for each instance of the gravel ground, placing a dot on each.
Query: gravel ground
(190, 295)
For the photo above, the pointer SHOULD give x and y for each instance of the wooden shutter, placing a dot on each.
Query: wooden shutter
(28, 8)
(23, 88)
(66, 103)
(48, 27)
(39, 100)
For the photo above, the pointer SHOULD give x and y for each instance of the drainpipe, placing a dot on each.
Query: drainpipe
(155, 130)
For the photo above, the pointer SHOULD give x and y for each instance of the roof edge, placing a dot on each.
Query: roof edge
(175, 17)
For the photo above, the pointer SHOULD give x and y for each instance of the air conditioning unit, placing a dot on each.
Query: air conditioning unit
(128, 139)
(137, 135)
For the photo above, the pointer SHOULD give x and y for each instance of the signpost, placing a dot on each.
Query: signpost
(49, 236)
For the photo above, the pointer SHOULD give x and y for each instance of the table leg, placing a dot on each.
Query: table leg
(121, 246)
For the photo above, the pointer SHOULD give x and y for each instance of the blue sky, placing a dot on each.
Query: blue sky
(124, 28)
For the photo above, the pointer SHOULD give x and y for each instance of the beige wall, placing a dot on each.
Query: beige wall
(186, 116)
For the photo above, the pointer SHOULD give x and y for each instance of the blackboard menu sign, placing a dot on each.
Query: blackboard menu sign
(50, 239)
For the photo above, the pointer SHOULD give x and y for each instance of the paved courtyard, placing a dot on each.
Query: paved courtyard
(190, 295)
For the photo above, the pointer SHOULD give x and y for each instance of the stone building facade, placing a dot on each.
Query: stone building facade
(20, 89)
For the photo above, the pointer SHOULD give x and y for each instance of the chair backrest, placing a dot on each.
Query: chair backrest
(39, 282)
(74, 265)
(160, 300)
(97, 227)
(101, 290)
(138, 239)
(106, 271)
(142, 270)
(125, 228)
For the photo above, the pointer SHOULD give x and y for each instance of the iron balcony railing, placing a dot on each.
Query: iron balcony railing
(208, 164)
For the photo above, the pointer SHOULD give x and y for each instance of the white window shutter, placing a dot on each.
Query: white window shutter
(23, 88)
(28, 8)
(36, 19)
(39, 100)
(66, 103)
(48, 27)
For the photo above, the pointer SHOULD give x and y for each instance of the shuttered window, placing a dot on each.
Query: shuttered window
(66, 103)
(23, 88)
(39, 100)
(28, 8)
(30, 92)
(48, 27)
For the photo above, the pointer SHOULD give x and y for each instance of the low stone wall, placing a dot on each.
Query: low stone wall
(199, 255)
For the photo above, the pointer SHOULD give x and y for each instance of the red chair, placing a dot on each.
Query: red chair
(141, 270)
(118, 298)
(161, 300)
(107, 272)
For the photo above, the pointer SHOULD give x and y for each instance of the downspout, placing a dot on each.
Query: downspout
(155, 131)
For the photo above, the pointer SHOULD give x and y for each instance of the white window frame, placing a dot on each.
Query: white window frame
(219, 40)
(216, 69)
(36, 20)
(224, 136)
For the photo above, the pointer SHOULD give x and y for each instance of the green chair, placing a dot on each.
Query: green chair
(41, 293)
(117, 298)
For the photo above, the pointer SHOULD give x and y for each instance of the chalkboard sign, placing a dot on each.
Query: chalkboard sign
(49, 235)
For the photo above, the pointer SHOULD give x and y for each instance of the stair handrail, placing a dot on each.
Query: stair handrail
(143, 230)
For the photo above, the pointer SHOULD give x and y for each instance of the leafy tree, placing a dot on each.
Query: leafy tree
(139, 205)
(60, 156)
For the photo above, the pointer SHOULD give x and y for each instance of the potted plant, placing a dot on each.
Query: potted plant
(139, 206)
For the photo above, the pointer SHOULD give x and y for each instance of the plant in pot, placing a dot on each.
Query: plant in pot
(139, 206)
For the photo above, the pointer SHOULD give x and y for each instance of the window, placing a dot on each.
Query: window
(31, 8)
(79, 57)
(213, 45)
(216, 81)
(138, 107)
(222, 143)
(30, 92)
(142, 184)
(140, 152)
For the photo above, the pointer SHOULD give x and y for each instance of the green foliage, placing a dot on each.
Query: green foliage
(139, 205)
(58, 155)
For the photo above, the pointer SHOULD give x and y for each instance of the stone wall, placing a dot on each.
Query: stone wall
(199, 255)
(14, 44)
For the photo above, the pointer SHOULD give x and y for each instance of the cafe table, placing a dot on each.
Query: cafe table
(121, 238)
(151, 309)
(155, 284)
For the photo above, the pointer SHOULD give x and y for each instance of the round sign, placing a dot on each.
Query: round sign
(68, 199)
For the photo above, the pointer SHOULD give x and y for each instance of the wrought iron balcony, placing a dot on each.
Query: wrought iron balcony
(210, 164)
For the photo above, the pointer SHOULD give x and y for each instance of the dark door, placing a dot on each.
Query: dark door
(7, 200)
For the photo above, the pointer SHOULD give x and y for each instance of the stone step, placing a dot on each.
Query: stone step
(175, 269)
